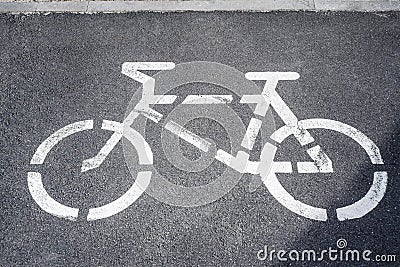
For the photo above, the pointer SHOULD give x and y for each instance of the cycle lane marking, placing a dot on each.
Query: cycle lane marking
(141, 108)
(288, 201)
(134, 192)
(322, 163)
(378, 188)
(380, 178)
(366, 143)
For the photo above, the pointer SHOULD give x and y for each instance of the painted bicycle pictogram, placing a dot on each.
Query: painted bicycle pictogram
(172, 76)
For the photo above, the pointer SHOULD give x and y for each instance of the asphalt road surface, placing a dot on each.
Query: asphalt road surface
(58, 69)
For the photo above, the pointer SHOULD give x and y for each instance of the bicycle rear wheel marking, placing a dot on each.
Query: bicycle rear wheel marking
(118, 205)
(45, 147)
(35, 184)
(50, 205)
(46, 202)
(142, 180)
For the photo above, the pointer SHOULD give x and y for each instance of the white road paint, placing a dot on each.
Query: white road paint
(188, 136)
(96, 161)
(148, 112)
(321, 163)
(128, 121)
(271, 96)
(148, 66)
(266, 158)
(164, 99)
(355, 210)
(368, 202)
(118, 129)
(143, 178)
(45, 147)
(272, 76)
(283, 197)
(132, 70)
(141, 146)
(262, 103)
(46, 202)
(253, 167)
(282, 133)
(224, 157)
(284, 112)
(136, 190)
(143, 107)
(207, 99)
(301, 134)
(366, 143)
(241, 162)
(282, 167)
(251, 133)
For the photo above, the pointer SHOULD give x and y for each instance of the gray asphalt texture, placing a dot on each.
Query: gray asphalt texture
(61, 68)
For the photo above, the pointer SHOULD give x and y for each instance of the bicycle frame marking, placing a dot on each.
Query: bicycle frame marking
(188, 136)
(269, 96)
(251, 133)
(207, 99)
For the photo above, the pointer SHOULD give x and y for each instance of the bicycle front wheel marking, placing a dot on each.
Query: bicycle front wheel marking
(352, 211)
(50, 205)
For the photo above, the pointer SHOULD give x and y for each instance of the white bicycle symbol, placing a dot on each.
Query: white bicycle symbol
(265, 167)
